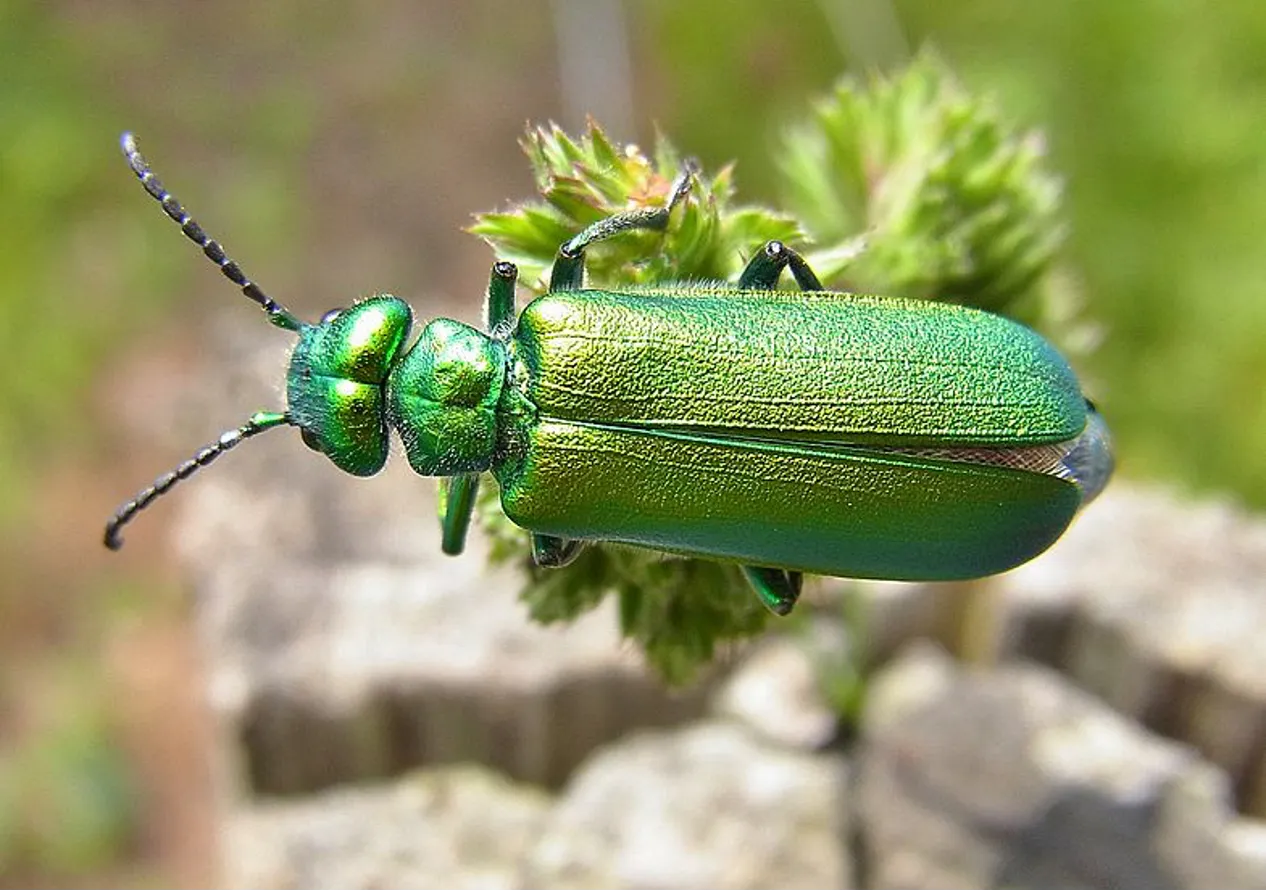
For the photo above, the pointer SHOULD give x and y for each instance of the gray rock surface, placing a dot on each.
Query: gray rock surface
(887, 615)
(776, 691)
(1159, 608)
(1006, 777)
(1013, 778)
(710, 806)
(459, 827)
(1156, 605)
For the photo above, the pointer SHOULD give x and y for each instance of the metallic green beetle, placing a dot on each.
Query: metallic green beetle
(788, 432)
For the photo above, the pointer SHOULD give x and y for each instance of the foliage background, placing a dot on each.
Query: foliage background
(340, 149)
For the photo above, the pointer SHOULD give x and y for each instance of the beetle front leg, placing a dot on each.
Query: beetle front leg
(552, 551)
(778, 589)
(456, 506)
(763, 270)
(569, 266)
(499, 308)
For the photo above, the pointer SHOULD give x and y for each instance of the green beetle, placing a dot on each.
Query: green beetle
(788, 432)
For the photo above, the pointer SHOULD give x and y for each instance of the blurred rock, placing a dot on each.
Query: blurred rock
(1014, 778)
(1154, 604)
(444, 828)
(885, 616)
(1202, 842)
(709, 806)
(706, 807)
(776, 691)
(1158, 607)
(342, 645)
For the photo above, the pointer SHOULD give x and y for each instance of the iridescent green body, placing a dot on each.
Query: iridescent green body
(788, 432)
(759, 427)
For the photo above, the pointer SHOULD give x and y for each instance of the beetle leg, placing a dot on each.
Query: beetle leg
(763, 270)
(569, 264)
(778, 589)
(553, 551)
(456, 505)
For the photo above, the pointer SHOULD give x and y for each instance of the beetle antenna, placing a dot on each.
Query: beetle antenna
(277, 314)
(259, 422)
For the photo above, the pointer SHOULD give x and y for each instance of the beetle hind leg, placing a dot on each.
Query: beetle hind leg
(778, 589)
(552, 551)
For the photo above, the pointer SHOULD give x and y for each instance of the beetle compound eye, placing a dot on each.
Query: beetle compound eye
(311, 440)
(331, 315)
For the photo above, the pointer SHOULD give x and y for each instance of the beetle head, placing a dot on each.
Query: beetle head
(336, 385)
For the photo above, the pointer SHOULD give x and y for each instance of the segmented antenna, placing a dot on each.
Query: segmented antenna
(277, 314)
(259, 422)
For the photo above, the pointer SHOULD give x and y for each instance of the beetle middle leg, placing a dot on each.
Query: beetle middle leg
(778, 589)
(764, 269)
(569, 265)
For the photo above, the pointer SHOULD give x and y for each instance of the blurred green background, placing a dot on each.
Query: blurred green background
(340, 148)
